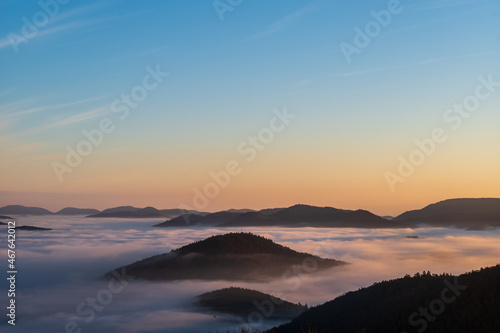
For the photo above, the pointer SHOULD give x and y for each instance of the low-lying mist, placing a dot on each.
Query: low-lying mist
(60, 271)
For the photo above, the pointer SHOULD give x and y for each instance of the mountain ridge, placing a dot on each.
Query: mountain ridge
(299, 215)
(232, 256)
(460, 212)
(471, 303)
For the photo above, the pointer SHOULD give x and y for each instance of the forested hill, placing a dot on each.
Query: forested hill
(422, 303)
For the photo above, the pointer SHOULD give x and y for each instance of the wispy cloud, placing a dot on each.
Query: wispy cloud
(43, 108)
(285, 22)
(371, 70)
(80, 117)
(55, 123)
(63, 22)
(418, 63)
(303, 83)
(6, 92)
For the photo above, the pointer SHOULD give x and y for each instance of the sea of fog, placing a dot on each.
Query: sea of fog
(59, 270)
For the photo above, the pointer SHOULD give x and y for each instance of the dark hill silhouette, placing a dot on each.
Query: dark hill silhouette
(243, 210)
(295, 216)
(329, 216)
(185, 220)
(134, 212)
(177, 212)
(23, 210)
(269, 211)
(312, 216)
(4, 217)
(234, 256)
(31, 228)
(471, 213)
(241, 302)
(249, 219)
(194, 220)
(218, 218)
(387, 306)
(77, 211)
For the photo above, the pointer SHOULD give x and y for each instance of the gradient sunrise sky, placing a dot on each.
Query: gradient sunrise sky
(230, 64)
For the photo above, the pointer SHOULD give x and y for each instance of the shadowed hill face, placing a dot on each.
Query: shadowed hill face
(454, 206)
(269, 211)
(294, 216)
(458, 212)
(193, 220)
(235, 243)
(332, 217)
(301, 212)
(77, 211)
(252, 218)
(241, 301)
(469, 303)
(32, 228)
(120, 209)
(186, 220)
(22, 210)
(234, 256)
(130, 212)
(219, 217)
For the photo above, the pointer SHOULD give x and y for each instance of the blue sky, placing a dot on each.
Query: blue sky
(224, 79)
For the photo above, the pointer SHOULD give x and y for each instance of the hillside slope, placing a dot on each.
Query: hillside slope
(469, 213)
(233, 256)
(430, 303)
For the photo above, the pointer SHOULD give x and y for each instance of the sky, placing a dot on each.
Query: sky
(249, 104)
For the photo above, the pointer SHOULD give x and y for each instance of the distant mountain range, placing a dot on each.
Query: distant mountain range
(294, 216)
(77, 211)
(233, 256)
(22, 210)
(479, 213)
(147, 212)
(242, 302)
(31, 228)
(117, 212)
(462, 213)
(425, 302)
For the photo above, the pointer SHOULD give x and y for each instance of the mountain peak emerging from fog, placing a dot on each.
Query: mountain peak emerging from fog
(235, 243)
(233, 256)
(241, 301)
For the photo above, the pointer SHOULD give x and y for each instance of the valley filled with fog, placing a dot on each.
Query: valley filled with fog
(59, 270)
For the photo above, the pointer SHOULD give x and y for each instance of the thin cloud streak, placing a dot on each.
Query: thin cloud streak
(81, 117)
(284, 23)
(56, 28)
(48, 107)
